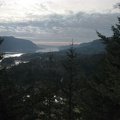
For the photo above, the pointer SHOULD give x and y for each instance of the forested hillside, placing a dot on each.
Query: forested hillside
(94, 47)
(12, 44)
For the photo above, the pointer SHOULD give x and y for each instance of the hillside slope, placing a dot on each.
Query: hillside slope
(12, 44)
(93, 47)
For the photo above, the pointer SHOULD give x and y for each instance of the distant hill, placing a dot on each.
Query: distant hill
(12, 44)
(93, 47)
(67, 47)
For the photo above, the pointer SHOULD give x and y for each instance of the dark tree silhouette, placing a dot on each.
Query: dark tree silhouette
(70, 66)
(3, 110)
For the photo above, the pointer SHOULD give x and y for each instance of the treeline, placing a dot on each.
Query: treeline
(64, 87)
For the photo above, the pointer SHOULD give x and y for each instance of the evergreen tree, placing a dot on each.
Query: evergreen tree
(9, 97)
(50, 93)
(71, 68)
(103, 94)
(101, 98)
(109, 86)
(3, 111)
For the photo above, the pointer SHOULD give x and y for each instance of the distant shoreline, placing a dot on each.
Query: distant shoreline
(17, 54)
(51, 49)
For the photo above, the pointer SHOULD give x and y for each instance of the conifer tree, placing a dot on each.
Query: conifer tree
(70, 66)
(3, 110)
(49, 87)
(110, 75)
(8, 95)
(104, 89)
(101, 100)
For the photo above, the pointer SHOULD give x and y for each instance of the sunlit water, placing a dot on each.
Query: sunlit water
(47, 50)
(12, 54)
(8, 55)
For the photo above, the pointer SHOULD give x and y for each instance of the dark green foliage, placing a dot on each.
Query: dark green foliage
(6, 94)
(105, 85)
(11, 98)
(69, 87)
(1, 54)
(46, 80)
(110, 87)
(3, 110)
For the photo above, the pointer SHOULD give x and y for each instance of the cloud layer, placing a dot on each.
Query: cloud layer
(42, 23)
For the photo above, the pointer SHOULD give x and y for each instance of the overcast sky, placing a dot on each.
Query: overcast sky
(57, 21)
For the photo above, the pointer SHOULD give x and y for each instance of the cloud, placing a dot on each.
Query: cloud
(116, 6)
(54, 27)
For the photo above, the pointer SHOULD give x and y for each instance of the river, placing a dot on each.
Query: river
(12, 54)
(44, 50)
(51, 49)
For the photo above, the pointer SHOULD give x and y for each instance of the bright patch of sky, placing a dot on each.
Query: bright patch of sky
(57, 20)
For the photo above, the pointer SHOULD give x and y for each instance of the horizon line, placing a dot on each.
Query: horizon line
(56, 43)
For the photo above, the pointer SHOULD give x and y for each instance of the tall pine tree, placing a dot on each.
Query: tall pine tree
(71, 68)
(109, 85)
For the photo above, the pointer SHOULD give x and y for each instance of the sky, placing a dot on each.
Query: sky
(57, 21)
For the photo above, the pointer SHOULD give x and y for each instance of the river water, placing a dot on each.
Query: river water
(13, 54)
(48, 50)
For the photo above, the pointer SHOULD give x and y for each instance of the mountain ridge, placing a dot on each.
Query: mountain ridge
(12, 44)
(92, 47)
